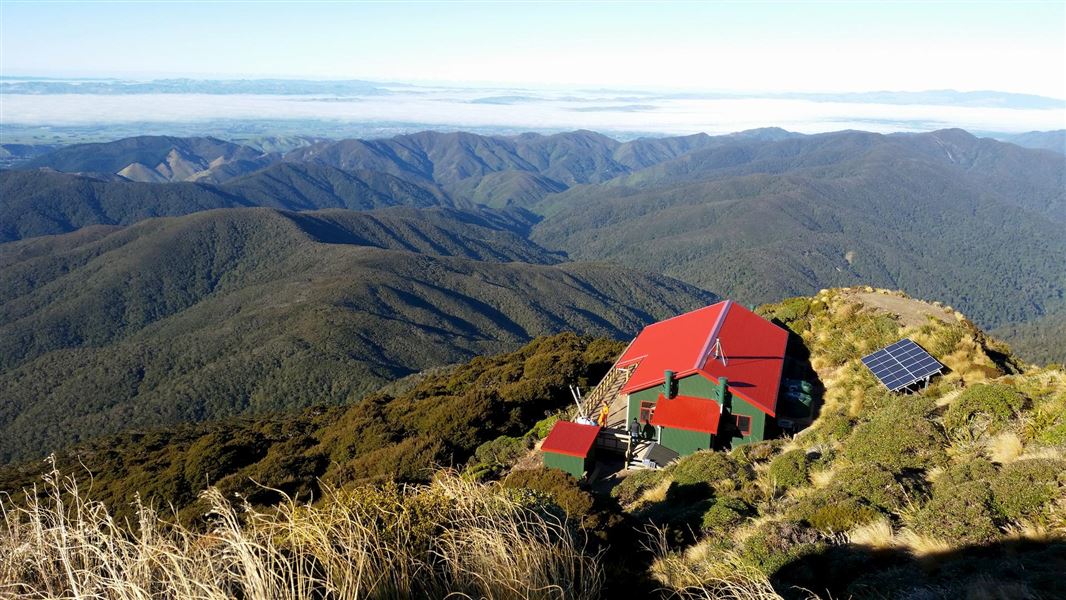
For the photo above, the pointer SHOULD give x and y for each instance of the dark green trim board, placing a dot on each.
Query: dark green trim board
(701, 387)
(691, 385)
(685, 442)
(573, 465)
(758, 423)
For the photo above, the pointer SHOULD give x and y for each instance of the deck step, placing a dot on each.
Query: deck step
(607, 390)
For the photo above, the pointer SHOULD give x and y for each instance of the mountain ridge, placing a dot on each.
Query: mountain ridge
(253, 310)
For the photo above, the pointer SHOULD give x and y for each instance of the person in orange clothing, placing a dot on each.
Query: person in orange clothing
(601, 420)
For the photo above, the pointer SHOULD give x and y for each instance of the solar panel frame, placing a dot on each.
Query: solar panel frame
(902, 364)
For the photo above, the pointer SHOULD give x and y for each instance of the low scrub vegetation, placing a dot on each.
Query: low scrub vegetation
(478, 414)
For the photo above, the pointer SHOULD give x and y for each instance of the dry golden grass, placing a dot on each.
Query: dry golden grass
(921, 545)
(820, 479)
(947, 398)
(1031, 531)
(1052, 452)
(654, 495)
(876, 534)
(703, 573)
(1005, 447)
(451, 537)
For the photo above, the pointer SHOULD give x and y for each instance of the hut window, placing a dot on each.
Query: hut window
(743, 424)
(646, 410)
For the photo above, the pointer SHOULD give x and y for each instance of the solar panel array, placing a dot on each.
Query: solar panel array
(902, 364)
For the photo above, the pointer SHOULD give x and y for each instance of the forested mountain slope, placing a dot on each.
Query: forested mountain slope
(446, 158)
(310, 187)
(254, 310)
(403, 434)
(34, 203)
(1044, 140)
(1041, 340)
(978, 223)
(757, 215)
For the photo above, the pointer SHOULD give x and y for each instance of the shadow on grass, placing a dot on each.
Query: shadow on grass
(1013, 569)
(798, 367)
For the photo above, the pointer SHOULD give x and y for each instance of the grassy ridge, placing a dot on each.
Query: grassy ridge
(935, 494)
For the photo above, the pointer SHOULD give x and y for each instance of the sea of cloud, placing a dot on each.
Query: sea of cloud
(536, 110)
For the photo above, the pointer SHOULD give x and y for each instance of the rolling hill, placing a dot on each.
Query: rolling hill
(34, 203)
(242, 311)
(758, 215)
(976, 222)
(157, 159)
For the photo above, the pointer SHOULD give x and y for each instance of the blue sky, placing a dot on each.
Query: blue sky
(824, 46)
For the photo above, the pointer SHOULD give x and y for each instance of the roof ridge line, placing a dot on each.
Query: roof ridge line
(701, 358)
(684, 314)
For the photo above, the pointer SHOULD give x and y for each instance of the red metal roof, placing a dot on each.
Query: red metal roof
(754, 349)
(573, 439)
(687, 412)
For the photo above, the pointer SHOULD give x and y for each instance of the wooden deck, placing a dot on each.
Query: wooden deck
(643, 454)
(609, 391)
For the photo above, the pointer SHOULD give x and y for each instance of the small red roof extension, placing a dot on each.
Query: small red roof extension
(572, 439)
(687, 412)
(754, 349)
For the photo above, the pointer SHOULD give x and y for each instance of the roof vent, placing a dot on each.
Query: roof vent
(719, 353)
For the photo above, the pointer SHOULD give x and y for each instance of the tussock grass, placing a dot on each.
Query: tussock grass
(701, 573)
(448, 538)
(655, 494)
(1005, 447)
(922, 545)
(876, 534)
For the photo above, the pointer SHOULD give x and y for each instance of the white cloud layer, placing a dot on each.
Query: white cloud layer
(533, 110)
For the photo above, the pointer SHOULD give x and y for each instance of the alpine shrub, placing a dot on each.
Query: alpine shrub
(790, 469)
(872, 483)
(561, 487)
(841, 515)
(899, 436)
(725, 514)
(959, 513)
(708, 467)
(999, 402)
(777, 544)
(1024, 488)
(635, 484)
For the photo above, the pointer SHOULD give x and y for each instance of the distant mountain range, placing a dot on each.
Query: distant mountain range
(37, 86)
(759, 214)
(277, 280)
(157, 159)
(355, 88)
(1041, 140)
